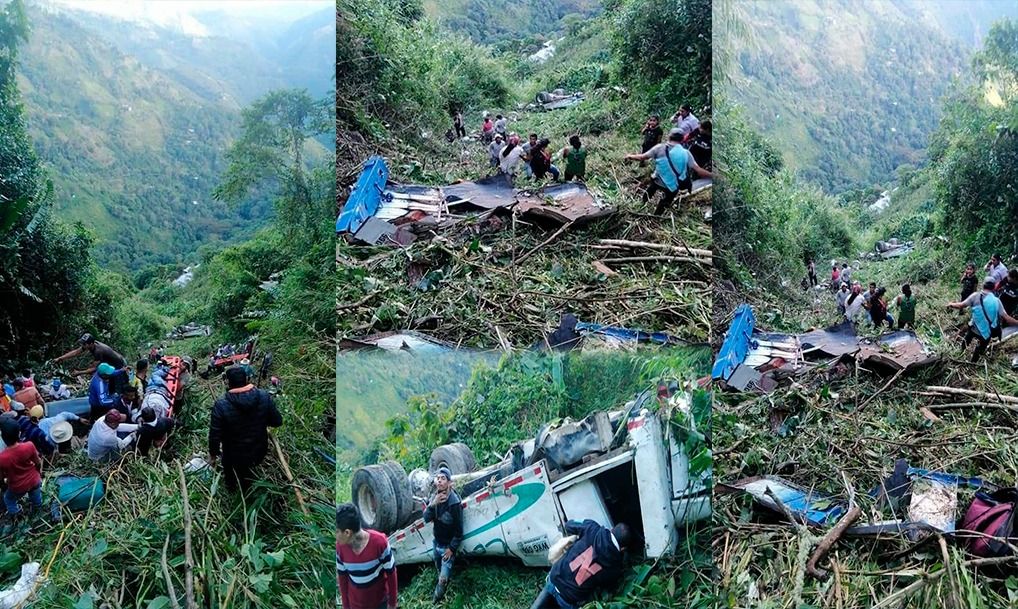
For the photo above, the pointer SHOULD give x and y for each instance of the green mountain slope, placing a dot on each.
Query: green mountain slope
(490, 21)
(848, 91)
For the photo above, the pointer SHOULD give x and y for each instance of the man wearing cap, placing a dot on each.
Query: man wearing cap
(152, 429)
(672, 164)
(239, 428)
(29, 396)
(58, 427)
(101, 354)
(842, 297)
(20, 466)
(103, 442)
(446, 512)
(494, 148)
(100, 395)
(593, 562)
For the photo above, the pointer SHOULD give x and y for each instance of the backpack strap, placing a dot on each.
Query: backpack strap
(678, 176)
(982, 307)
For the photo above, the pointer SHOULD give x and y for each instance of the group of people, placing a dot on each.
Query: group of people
(687, 151)
(366, 567)
(126, 407)
(992, 304)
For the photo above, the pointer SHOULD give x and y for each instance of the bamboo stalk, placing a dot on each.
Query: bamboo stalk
(170, 590)
(289, 476)
(657, 246)
(973, 393)
(188, 558)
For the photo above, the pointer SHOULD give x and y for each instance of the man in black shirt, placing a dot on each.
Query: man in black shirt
(1008, 292)
(101, 354)
(446, 512)
(652, 133)
(152, 430)
(593, 562)
(700, 146)
(240, 428)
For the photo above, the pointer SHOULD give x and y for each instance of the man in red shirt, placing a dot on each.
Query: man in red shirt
(20, 466)
(365, 566)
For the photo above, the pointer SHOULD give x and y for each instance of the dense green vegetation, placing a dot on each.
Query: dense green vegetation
(135, 146)
(847, 91)
(271, 552)
(833, 427)
(495, 21)
(507, 401)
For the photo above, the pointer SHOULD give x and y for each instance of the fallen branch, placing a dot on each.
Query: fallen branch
(354, 305)
(554, 236)
(963, 405)
(892, 599)
(700, 253)
(170, 590)
(829, 540)
(289, 476)
(973, 393)
(188, 558)
(658, 259)
(896, 376)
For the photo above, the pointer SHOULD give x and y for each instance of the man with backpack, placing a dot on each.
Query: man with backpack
(987, 313)
(672, 163)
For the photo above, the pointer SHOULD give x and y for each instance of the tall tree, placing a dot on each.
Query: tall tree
(271, 151)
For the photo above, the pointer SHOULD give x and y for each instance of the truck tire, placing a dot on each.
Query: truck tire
(375, 498)
(457, 457)
(406, 510)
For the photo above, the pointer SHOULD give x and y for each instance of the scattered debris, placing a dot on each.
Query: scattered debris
(753, 360)
(186, 277)
(19, 593)
(555, 100)
(190, 330)
(406, 340)
(381, 212)
(892, 248)
(807, 507)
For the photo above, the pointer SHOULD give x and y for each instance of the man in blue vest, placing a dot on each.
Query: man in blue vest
(672, 164)
(988, 316)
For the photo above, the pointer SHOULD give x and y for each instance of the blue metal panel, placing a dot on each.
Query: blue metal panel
(366, 196)
(737, 343)
(627, 334)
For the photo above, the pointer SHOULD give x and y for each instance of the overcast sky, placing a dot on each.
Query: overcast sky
(180, 13)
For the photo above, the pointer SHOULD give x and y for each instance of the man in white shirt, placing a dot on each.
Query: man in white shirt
(684, 120)
(854, 303)
(996, 269)
(103, 443)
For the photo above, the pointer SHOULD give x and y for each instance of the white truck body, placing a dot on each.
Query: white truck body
(523, 515)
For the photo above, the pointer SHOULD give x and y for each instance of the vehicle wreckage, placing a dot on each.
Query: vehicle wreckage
(611, 466)
(379, 211)
(751, 359)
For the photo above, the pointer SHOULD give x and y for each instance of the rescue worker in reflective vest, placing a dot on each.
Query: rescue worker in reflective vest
(594, 561)
(446, 513)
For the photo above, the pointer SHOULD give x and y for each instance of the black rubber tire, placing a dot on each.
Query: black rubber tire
(375, 498)
(457, 457)
(406, 510)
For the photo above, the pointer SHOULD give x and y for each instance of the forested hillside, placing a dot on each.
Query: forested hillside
(834, 428)
(494, 21)
(135, 144)
(846, 91)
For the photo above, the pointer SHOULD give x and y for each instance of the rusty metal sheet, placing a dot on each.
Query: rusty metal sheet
(899, 350)
(835, 341)
(563, 203)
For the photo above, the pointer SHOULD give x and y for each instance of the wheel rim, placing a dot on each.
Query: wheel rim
(368, 504)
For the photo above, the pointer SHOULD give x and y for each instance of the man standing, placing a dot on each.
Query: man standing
(101, 354)
(100, 397)
(140, 380)
(501, 125)
(103, 443)
(986, 316)
(27, 395)
(684, 121)
(594, 561)
(672, 163)
(239, 428)
(365, 565)
(855, 303)
(996, 269)
(842, 297)
(446, 512)
(652, 133)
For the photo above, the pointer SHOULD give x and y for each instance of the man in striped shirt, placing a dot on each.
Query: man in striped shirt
(365, 565)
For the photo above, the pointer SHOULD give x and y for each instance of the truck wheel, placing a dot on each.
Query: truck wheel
(457, 457)
(375, 498)
(405, 508)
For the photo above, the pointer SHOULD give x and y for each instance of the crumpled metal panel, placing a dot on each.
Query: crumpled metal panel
(568, 443)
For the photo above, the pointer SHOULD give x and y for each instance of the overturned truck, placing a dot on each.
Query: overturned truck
(626, 465)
